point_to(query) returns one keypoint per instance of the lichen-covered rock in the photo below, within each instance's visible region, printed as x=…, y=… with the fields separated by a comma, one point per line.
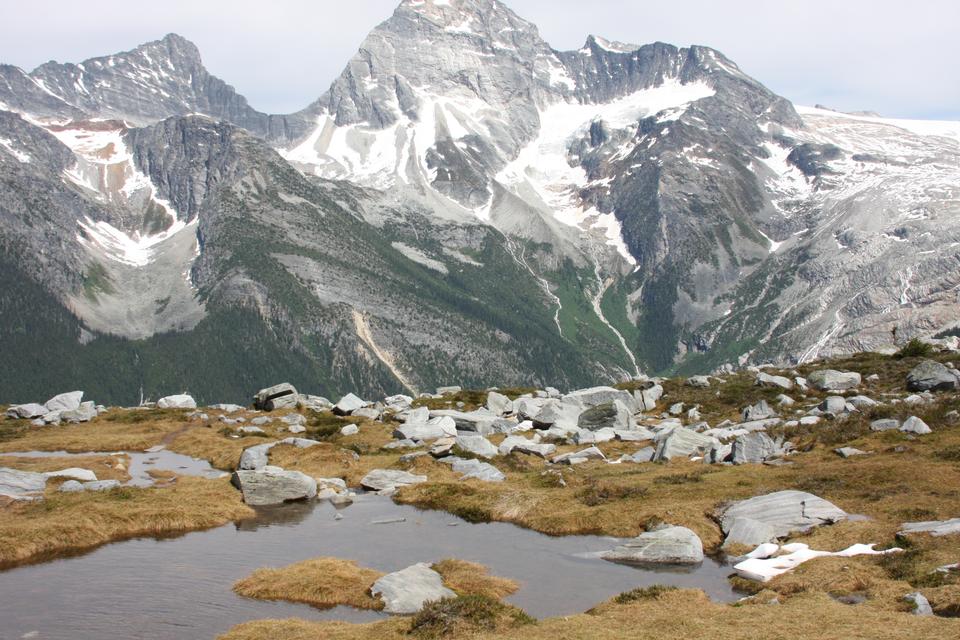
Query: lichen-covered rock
x=663, y=546
x=407, y=590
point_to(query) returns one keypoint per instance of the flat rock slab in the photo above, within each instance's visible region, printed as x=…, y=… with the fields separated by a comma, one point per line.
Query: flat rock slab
x=477, y=445
x=407, y=590
x=475, y=469
x=272, y=485
x=65, y=401
x=785, y=512
x=389, y=479
x=22, y=485
x=27, y=411
x=681, y=443
x=665, y=546
x=933, y=527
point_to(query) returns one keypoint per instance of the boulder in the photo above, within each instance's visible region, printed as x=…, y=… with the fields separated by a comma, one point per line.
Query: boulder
x=181, y=401
x=849, y=452
x=71, y=486
x=601, y=395
x=698, y=382
x=299, y=443
x=86, y=412
x=370, y=413
x=389, y=480
x=433, y=429
x=468, y=468
x=477, y=445
x=399, y=402
x=449, y=391
x=417, y=416
x=479, y=421
x=756, y=447
x=862, y=402
x=348, y=404
x=750, y=532
x=831, y=380
x=664, y=546
x=921, y=606
x=785, y=511
x=608, y=415
x=280, y=396
x=21, y=485
x=767, y=380
x=681, y=442
x=835, y=405
x=498, y=404
x=407, y=590
x=349, y=430
x=758, y=411
x=585, y=436
x=885, y=424
x=522, y=445
x=27, y=411
x=930, y=375
x=65, y=401
x=252, y=430
x=101, y=485
x=913, y=424
x=255, y=457
x=313, y=403
x=590, y=453
x=648, y=397
x=73, y=473
x=273, y=485
x=293, y=420
x=556, y=412
x=933, y=527
x=226, y=408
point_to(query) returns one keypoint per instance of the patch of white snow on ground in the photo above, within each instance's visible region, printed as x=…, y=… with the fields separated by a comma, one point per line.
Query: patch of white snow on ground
x=940, y=128
x=761, y=564
x=418, y=256
x=18, y=154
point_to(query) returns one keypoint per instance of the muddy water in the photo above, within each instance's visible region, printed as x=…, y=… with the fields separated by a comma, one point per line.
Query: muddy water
x=179, y=588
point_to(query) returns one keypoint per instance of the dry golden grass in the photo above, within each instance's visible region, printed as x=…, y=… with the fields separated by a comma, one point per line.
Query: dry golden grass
x=106, y=467
x=321, y=582
x=671, y=615
x=470, y=578
x=119, y=430
x=68, y=522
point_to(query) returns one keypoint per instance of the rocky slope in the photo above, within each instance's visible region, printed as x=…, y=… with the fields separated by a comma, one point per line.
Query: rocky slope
x=495, y=210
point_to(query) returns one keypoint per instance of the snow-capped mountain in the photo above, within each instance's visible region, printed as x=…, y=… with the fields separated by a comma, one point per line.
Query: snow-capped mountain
x=464, y=203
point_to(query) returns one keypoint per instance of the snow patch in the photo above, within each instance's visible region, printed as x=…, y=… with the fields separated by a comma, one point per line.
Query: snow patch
x=16, y=153
x=762, y=565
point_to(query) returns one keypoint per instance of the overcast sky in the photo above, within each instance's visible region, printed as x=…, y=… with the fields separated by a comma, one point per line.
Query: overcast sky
x=897, y=58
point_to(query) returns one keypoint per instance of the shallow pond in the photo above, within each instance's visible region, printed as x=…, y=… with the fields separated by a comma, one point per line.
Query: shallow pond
x=181, y=587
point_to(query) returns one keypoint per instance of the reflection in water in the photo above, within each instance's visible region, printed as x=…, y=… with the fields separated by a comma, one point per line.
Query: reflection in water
x=181, y=588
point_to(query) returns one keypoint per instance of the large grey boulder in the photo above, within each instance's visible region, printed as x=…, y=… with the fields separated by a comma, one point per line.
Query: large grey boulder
x=885, y=424
x=564, y=414
x=666, y=545
x=469, y=468
x=932, y=376
x=407, y=590
x=65, y=401
x=479, y=421
x=22, y=485
x=767, y=380
x=577, y=457
x=609, y=415
x=86, y=412
x=933, y=527
x=433, y=429
x=27, y=411
x=786, y=512
x=648, y=397
x=913, y=424
x=255, y=457
x=681, y=442
x=834, y=405
x=523, y=445
x=498, y=404
x=477, y=445
x=279, y=396
x=389, y=480
x=921, y=606
x=832, y=380
x=273, y=485
x=180, y=401
x=348, y=404
x=749, y=532
x=601, y=395
x=698, y=382
x=758, y=411
x=756, y=447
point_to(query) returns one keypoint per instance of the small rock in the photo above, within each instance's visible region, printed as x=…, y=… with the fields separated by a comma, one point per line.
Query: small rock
x=921, y=606
x=915, y=425
x=406, y=591
x=182, y=401
x=349, y=430
x=389, y=479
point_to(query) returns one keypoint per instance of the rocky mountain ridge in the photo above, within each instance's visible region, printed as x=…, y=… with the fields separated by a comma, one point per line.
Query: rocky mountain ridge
x=492, y=208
